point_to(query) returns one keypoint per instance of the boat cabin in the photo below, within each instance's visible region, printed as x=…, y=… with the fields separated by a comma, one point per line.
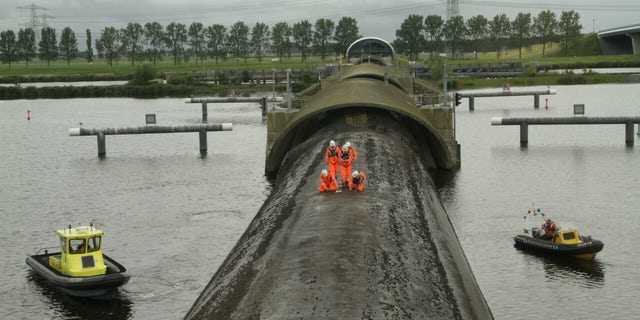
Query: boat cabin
x=567, y=236
x=80, y=252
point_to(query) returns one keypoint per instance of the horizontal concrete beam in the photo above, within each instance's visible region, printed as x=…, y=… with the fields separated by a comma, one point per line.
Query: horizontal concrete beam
x=232, y=99
x=151, y=129
x=525, y=122
x=497, y=121
x=508, y=93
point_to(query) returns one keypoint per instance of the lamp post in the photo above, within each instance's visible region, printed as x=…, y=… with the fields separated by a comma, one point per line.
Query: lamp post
x=445, y=79
x=273, y=88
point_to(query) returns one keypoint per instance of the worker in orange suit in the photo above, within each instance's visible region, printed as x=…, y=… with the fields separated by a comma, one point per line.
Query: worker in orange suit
x=352, y=152
x=327, y=182
x=332, y=158
x=357, y=181
x=346, y=161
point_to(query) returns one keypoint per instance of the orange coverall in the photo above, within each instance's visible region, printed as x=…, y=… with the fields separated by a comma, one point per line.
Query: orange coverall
x=328, y=183
x=353, y=154
x=358, y=182
x=332, y=158
x=346, y=161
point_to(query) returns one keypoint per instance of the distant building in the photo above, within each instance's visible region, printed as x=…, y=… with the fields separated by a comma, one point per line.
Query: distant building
x=370, y=50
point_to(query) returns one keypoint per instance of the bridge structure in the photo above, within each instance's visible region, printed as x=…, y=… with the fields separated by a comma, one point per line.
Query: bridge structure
x=620, y=40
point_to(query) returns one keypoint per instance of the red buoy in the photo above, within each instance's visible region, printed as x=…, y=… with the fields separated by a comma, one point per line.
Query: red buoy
x=546, y=103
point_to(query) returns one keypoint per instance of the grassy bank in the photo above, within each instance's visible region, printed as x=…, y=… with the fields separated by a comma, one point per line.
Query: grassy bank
x=544, y=80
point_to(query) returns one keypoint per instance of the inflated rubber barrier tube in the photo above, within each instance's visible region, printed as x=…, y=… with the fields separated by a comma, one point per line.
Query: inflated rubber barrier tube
x=389, y=252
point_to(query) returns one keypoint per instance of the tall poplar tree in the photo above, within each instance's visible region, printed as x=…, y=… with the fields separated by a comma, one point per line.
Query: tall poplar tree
x=323, y=36
x=346, y=33
x=216, y=35
x=544, y=27
x=302, y=37
x=281, y=39
x=68, y=45
x=48, y=45
x=259, y=39
x=8, y=47
x=89, y=47
x=154, y=39
x=196, y=35
x=569, y=29
x=27, y=45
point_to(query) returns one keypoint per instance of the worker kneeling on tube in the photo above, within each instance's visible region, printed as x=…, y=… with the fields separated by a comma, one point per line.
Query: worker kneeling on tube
x=357, y=181
x=327, y=182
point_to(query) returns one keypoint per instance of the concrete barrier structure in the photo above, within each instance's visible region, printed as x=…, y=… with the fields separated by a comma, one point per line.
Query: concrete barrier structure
x=365, y=86
x=202, y=129
x=525, y=122
x=389, y=252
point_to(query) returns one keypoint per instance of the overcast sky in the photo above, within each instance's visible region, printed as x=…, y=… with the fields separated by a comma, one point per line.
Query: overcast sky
x=375, y=17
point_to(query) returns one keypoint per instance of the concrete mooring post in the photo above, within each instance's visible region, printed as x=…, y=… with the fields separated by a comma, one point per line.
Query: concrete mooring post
x=524, y=133
x=536, y=101
x=628, y=135
x=102, y=146
x=204, y=112
x=471, y=103
x=203, y=141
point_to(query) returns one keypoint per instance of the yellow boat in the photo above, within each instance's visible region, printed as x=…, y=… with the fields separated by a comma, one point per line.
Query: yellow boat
x=78, y=266
x=564, y=242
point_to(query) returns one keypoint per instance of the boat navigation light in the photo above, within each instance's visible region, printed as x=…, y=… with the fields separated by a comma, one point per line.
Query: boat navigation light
x=91, y=224
x=69, y=227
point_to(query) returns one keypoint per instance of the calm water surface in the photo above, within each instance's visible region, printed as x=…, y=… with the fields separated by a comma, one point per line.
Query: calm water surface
x=171, y=216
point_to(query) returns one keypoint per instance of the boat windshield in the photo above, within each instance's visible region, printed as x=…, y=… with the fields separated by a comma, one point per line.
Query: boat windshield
x=569, y=236
x=63, y=244
x=94, y=243
x=77, y=246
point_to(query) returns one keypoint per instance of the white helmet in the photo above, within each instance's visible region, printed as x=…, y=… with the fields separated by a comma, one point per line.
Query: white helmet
x=332, y=143
x=345, y=148
x=348, y=144
x=355, y=174
x=324, y=172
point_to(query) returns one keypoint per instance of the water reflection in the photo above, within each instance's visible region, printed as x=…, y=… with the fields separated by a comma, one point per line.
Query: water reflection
x=116, y=306
x=586, y=273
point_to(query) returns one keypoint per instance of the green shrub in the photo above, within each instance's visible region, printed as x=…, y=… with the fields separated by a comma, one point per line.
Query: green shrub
x=142, y=75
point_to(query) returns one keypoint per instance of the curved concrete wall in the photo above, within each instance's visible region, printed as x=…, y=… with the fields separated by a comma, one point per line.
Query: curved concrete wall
x=362, y=87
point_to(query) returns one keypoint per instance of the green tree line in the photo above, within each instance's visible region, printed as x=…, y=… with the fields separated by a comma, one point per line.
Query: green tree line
x=152, y=42
x=433, y=34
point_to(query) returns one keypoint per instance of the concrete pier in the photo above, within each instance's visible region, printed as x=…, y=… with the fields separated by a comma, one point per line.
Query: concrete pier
x=262, y=100
x=508, y=93
x=102, y=133
x=525, y=122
